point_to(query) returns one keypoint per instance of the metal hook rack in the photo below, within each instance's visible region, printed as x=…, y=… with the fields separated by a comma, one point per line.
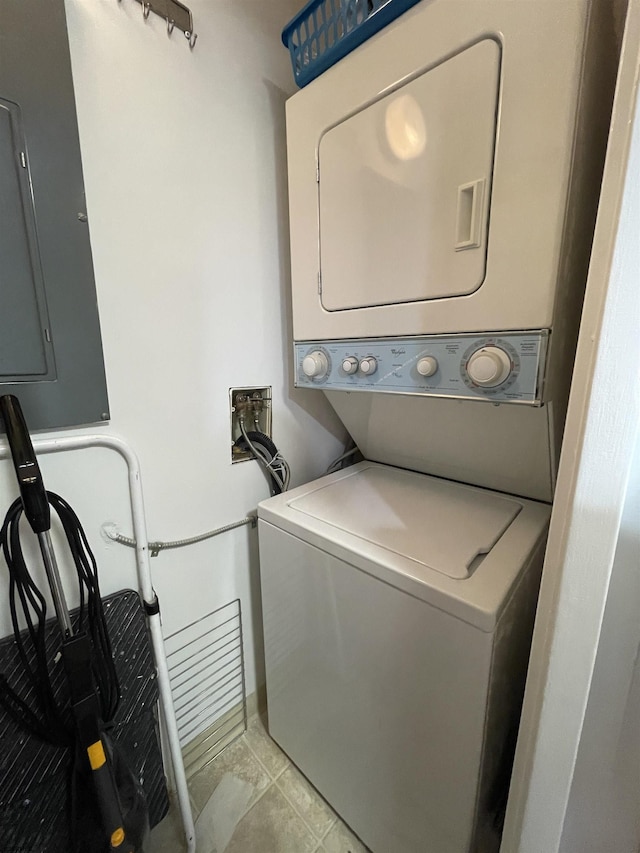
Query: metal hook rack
x=175, y=14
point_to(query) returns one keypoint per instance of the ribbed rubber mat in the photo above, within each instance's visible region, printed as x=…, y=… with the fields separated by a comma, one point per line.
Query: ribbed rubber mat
x=34, y=776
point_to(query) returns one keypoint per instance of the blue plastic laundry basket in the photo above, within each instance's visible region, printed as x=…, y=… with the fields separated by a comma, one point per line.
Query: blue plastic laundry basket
x=326, y=30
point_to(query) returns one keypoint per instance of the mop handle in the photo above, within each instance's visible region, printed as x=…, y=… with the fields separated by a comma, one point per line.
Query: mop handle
x=32, y=490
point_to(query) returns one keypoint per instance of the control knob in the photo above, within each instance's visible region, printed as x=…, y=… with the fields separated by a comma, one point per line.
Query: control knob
x=315, y=365
x=427, y=366
x=350, y=364
x=368, y=365
x=489, y=366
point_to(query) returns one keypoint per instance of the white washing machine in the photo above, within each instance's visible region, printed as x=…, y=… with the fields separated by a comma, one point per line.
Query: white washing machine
x=398, y=610
x=443, y=186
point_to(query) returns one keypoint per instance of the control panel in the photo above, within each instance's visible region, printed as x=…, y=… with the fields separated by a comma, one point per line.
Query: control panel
x=504, y=367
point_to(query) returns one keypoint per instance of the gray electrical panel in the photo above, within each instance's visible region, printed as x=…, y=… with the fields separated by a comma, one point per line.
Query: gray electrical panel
x=50, y=343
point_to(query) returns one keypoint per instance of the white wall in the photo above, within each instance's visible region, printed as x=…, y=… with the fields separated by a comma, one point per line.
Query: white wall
x=185, y=174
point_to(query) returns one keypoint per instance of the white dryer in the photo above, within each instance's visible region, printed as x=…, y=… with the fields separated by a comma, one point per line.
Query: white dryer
x=443, y=184
x=397, y=612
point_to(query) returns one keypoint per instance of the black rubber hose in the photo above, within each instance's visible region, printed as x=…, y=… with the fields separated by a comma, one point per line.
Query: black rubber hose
x=259, y=438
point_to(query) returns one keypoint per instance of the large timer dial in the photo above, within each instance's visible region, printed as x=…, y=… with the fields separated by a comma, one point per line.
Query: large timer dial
x=316, y=365
x=490, y=366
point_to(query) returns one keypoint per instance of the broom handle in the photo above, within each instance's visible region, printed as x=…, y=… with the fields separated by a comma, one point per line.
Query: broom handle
x=34, y=500
x=55, y=584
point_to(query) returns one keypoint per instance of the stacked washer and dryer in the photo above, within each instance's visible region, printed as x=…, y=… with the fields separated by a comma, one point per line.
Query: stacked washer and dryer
x=443, y=183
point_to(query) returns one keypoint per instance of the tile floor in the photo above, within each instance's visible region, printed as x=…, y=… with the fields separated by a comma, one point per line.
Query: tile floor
x=279, y=810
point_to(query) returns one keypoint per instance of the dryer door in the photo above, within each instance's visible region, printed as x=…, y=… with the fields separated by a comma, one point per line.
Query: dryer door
x=404, y=188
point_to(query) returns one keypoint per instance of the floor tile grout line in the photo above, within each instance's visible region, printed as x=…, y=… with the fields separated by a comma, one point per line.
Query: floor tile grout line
x=261, y=794
x=273, y=784
x=315, y=835
x=335, y=822
x=275, y=745
x=271, y=777
x=263, y=765
x=336, y=818
x=273, y=781
x=258, y=798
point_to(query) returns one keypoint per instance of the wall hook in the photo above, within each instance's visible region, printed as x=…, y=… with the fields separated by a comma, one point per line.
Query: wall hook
x=174, y=13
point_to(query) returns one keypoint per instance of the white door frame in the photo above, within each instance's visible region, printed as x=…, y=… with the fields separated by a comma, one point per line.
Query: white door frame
x=602, y=424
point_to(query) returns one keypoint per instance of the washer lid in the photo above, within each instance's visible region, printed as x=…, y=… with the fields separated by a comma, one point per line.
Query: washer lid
x=445, y=526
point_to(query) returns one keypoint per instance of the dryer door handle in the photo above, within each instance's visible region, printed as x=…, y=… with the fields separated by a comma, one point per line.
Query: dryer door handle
x=470, y=215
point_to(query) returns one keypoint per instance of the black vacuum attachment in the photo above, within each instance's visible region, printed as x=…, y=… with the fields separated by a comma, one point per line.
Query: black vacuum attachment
x=108, y=811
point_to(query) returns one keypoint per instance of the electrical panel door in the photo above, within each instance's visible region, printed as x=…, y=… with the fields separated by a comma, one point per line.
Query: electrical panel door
x=50, y=343
x=25, y=351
